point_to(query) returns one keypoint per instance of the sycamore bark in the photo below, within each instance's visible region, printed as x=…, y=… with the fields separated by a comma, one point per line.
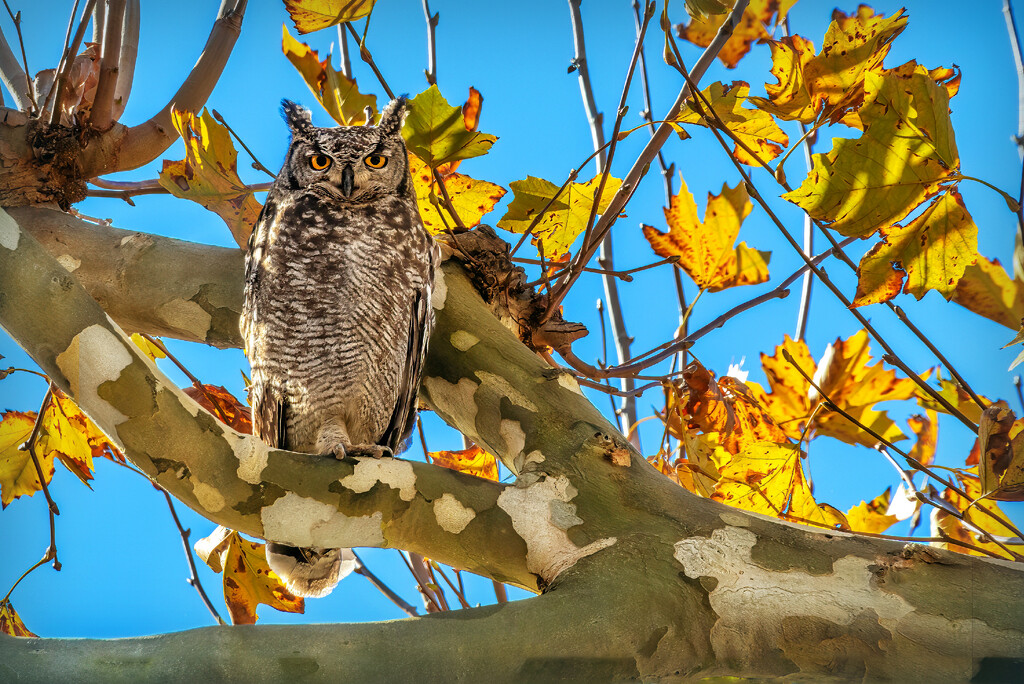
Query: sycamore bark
x=638, y=578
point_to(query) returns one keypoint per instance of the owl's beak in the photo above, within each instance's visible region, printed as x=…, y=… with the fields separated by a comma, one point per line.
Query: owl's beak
x=348, y=180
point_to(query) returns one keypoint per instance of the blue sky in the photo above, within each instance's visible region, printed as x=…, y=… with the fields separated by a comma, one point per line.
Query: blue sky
x=123, y=567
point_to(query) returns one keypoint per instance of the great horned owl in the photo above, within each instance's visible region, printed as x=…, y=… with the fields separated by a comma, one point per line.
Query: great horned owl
x=337, y=306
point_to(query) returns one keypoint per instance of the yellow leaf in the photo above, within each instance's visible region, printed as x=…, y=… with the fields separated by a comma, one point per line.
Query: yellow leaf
x=705, y=250
x=313, y=15
x=751, y=26
x=1001, y=467
x=472, y=461
x=64, y=433
x=564, y=219
x=10, y=621
x=987, y=290
x=955, y=528
x=698, y=471
x=338, y=94
x=472, y=198
x=755, y=128
x=209, y=173
x=833, y=81
x=18, y=474
x=906, y=152
x=436, y=132
x=948, y=78
x=148, y=348
x=870, y=516
x=926, y=428
x=957, y=397
x=930, y=253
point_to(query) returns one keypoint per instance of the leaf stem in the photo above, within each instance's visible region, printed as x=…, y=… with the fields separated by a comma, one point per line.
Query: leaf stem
x=193, y=579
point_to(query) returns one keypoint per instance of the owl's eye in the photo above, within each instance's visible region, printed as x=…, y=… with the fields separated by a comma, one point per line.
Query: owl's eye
x=319, y=161
x=376, y=161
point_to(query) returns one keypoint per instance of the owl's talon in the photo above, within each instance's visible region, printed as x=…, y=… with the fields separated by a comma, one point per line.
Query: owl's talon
x=374, y=450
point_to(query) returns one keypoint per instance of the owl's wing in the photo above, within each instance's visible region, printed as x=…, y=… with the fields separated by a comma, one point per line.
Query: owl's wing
x=404, y=417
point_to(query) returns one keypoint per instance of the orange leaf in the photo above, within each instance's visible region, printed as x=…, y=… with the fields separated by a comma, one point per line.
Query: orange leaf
x=18, y=474
x=705, y=250
x=927, y=430
x=224, y=406
x=751, y=27
x=10, y=621
x=472, y=461
x=871, y=516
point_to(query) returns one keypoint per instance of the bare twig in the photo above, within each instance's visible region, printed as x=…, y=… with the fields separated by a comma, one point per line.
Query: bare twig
x=666, y=169
x=500, y=592
x=256, y=164
x=345, y=65
x=193, y=578
x=101, y=117
x=60, y=82
x=15, y=76
x=383, y=588
x=125, y=190
x=364, y=54
x=433, y=599
x=193, y=379
x=129, y=54
x=803, y=313
x=458, y=591
x=431, y=70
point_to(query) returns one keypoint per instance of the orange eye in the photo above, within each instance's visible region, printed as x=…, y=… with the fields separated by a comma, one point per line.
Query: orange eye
x=319, y=161
x=376, y=161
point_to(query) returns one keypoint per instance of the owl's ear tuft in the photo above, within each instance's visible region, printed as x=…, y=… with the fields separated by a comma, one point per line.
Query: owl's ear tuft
x=298, y=118
x=393, y=116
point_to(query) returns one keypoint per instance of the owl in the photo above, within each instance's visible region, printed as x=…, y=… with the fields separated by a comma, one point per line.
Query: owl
x=337, y=310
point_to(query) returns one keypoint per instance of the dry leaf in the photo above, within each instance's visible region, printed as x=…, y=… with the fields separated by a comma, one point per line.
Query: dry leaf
x=472, y=461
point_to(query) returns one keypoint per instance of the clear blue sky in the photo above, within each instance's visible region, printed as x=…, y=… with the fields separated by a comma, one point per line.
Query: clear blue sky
x=124, y=571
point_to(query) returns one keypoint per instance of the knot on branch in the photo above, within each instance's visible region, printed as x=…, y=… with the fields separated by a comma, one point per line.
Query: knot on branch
x=503, y=286
x=39, y=163
x=57, y=150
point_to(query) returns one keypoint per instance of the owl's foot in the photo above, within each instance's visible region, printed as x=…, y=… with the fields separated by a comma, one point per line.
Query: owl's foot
x=374, y=450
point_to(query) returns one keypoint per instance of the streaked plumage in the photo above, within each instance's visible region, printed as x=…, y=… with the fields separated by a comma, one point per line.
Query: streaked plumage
x=337, y=306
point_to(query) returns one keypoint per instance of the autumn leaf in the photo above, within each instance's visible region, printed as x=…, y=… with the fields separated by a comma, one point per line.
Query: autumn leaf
x=565, y=218
x=1001, y=454
x=926, y=429
x=972, y=509
x=706, y=250
x=223, y=405
x=209, y=173
x=18, y=474
x=956, y=396
x=872, y=516
x=248, y=579
x=698, y=471
x=148, y=348
x=905, y=154
x=472, y=461
x=64, y=433
x=845, y=376
x=757, y=129
x=10, y=621
x=436, y=132
x=338, y=94
x=948, y=78
x=930, y=253
x=709, y=15
x=313, y=15
x=833, y=81
x=989, y=291
x=471, y=198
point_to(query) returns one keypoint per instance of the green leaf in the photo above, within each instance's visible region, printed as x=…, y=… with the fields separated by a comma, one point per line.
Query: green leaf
x=436, y=132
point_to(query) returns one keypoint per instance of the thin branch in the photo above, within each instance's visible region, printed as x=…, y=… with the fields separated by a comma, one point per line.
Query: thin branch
x=60, y=83
x=45, y=103
x=345, y=67
x=804, y=311
x=14, y=74
x=364, y=54
x=127, y=57
x=193, y=579
x=125, y=190
x=361, y=569
x=500, y=593
x=431, y=71
x=256, y=164
x=666, y=169
x=101, y=117
x=458, y=592
x=193, y=379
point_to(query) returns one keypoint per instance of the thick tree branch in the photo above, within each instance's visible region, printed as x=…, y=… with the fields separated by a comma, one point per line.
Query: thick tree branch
x=102, y=114
x=13, y=75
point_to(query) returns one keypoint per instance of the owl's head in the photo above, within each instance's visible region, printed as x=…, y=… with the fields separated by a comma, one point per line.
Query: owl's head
x=347, y=164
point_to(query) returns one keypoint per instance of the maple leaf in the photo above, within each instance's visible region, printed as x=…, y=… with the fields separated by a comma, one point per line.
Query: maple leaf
x=64, y=433
x=956, y=396
x=948, y=78
x=1001, y=454
x=726, y=406
x=751, y=27
x=698, y=471
x=10, y=621
x=768, y=478
x=436, y=132
x=872, y=516
x=338, y=94
x=757, y=129
x=148, y=348
x=223, y=405
x=248, y=579
x=313, y=15
x=472, y=461
x=209, y=173
x=471, y=198
x=18, y=474
x=987, y=290
x=971, y=508
x=846, y=378
x=907, y=151
x=930, y=253
x=565, y=218
x=705, y=250
x=833, y=81
x=926, y=429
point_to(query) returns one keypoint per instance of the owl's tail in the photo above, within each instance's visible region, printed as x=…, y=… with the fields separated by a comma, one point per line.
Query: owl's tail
x=310, y=572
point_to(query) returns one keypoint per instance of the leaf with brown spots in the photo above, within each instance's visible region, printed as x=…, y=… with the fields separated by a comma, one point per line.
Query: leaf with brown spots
x=757, y=129
x=957, y=398
x=845, y=376
x=18, y=476
x=872, y=516
x=706, y=250
x=472, y=461
x=954, y=527
x=248, y=579
x=471, y=198
x=751, y=27
x=209, y=173
x=313, y=15
x=10, y=621
x=436, y=132
x=338, y=94
x=223, y=405
x=1001, y=453
x=697, y=469
x=989, y=291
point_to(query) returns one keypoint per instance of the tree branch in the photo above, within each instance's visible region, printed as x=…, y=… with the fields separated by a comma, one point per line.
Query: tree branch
x=101, y=117
x=13, y=75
